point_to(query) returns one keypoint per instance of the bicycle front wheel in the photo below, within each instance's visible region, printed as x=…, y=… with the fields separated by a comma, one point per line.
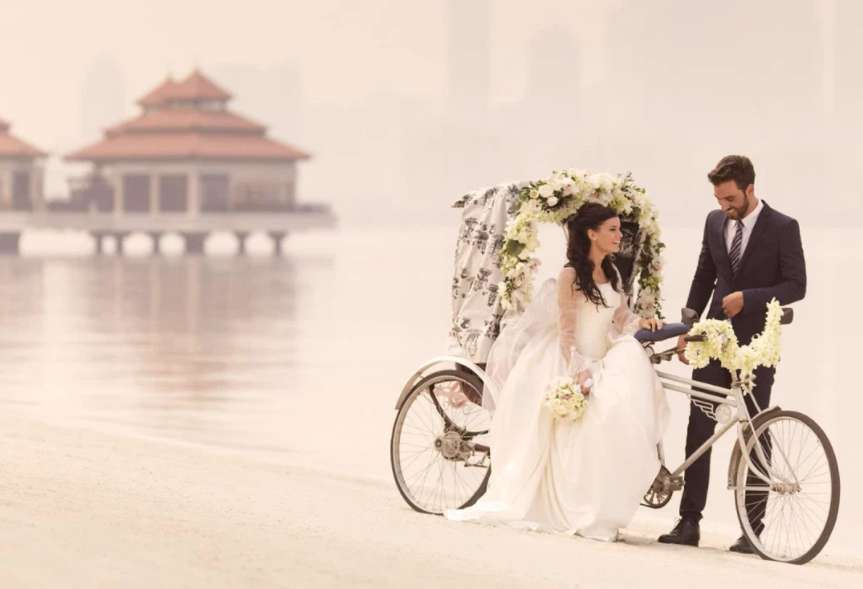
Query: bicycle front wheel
x=788, y=514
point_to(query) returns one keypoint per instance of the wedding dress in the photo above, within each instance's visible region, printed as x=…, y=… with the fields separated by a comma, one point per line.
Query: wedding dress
x=585, y=477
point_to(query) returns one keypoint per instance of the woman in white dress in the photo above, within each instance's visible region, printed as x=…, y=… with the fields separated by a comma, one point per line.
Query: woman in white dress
x=585, y=477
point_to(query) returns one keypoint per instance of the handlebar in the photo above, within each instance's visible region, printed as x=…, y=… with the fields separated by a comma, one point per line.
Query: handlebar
x=690, y=317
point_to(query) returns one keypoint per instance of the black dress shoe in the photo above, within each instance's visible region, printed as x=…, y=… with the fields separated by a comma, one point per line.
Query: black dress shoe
x=742, y=546
x=686, y=532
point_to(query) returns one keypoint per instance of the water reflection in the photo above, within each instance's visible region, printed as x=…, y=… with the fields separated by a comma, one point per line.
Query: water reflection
x=165, y=344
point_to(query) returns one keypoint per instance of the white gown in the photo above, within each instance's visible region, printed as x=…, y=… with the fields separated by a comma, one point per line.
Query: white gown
x=585, y=477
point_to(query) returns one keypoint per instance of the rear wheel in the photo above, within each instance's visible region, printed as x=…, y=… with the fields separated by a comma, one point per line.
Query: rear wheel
x=439, y=446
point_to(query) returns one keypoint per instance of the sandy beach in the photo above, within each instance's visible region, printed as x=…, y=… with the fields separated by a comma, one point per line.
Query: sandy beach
x=85, y=508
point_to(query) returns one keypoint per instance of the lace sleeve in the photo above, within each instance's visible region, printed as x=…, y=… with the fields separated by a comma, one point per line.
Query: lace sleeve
x=567, y=307
x=625, y=322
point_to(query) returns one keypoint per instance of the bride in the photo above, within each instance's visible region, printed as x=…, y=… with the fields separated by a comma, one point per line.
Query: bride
x=585, y=477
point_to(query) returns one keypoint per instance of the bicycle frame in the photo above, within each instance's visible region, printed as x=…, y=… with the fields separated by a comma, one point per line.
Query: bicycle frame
x=708, y=398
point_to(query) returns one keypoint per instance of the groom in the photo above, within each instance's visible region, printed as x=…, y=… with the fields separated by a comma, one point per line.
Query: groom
x=750, y=253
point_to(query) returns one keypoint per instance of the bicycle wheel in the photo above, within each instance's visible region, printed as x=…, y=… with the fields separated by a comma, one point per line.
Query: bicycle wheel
x=439, y=446
x=790, y=518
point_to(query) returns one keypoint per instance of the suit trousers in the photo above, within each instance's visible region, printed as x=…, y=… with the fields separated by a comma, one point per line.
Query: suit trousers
x=701, y=427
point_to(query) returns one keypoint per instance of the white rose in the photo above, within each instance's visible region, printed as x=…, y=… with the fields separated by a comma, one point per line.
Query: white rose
x=552, y=201
x=545, y=191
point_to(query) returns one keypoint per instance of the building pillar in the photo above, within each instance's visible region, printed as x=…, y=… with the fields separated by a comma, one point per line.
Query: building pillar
x=292, y=186
x=156, y=236
x=155, y=193
x=98, y=242
x=241, y=242
x=119, y=194
x=36, y=197
x=120, y=242
x=194, y=242
x=9, y=242
x=277, y=237
x=5, y=189
x=194, y=188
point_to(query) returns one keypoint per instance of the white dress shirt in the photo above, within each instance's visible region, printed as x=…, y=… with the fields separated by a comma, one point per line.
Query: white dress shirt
x=748, y=224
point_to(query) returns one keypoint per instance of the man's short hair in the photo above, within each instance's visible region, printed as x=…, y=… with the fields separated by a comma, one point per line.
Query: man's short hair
x=733, y=167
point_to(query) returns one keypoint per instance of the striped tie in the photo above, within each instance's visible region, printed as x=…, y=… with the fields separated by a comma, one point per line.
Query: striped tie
x=736, y=246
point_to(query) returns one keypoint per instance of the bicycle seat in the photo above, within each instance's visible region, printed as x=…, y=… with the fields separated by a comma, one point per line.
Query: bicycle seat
x=668, y=330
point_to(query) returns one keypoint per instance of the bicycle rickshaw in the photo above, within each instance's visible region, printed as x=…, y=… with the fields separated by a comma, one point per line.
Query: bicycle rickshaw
x=782, y=472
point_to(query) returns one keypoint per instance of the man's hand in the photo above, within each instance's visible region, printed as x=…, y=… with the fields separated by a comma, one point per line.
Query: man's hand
x=732, y=304
x=681, y=345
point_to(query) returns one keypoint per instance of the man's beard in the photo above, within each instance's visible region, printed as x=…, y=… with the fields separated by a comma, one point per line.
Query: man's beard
x=738, y=214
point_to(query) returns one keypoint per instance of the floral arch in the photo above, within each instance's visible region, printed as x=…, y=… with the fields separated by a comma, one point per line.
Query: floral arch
x=554, y=199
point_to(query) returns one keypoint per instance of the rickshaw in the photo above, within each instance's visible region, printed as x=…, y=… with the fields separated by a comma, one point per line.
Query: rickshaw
x=782, y=467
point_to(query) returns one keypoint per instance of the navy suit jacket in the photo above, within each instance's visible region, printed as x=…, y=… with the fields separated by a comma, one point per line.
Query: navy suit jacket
x=772, y=266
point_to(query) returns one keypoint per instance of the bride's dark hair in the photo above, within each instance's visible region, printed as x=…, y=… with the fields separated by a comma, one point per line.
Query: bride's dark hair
x=589, y=216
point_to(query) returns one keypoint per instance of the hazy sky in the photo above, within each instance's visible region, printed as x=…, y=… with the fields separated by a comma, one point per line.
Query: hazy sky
x=407, y=103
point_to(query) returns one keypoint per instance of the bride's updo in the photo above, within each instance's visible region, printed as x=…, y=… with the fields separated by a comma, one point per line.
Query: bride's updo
x=589, y=216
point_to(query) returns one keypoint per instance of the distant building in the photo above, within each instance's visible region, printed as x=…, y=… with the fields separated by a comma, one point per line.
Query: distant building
x=186, y=165
x=21, y=173
x=187, y=152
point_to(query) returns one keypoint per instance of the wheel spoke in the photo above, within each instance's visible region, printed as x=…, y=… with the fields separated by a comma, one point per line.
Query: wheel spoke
x=797, y=510
x=428, y=480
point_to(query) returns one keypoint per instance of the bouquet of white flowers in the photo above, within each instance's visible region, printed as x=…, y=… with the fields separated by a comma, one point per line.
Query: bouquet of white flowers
x=565, y=399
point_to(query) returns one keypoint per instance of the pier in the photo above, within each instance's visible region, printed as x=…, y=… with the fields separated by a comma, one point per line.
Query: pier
x=194, y=231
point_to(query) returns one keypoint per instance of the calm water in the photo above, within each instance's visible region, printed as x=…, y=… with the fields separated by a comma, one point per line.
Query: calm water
x=301, y=358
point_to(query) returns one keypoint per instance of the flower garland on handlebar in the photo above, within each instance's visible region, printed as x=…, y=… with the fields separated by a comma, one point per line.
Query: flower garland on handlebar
x=720, y=343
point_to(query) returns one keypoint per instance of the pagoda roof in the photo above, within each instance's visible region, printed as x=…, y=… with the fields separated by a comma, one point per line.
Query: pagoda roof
x=187, y=145
x=186, y=119
x=11, y=146
x=157, y=95
x=179, y=121
x=196, y=86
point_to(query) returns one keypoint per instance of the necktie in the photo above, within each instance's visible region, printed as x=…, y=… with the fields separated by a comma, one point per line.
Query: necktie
x=734, y=254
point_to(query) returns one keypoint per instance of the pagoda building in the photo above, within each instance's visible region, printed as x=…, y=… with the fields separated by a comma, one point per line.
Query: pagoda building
x=190, y=165
x=187, y=152
x=21, y=173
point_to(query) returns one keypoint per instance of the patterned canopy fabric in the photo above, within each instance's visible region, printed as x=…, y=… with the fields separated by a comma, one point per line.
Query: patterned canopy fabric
x=477, y=313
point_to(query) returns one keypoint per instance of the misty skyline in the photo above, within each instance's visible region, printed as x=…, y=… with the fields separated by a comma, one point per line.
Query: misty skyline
x=406, y=105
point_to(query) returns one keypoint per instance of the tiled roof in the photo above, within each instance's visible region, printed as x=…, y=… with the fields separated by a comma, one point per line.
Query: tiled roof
x=11, y=146
x=192, y=145
x=180, y=122
x=157, y=95
x=196, y=86
x=186, y=119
